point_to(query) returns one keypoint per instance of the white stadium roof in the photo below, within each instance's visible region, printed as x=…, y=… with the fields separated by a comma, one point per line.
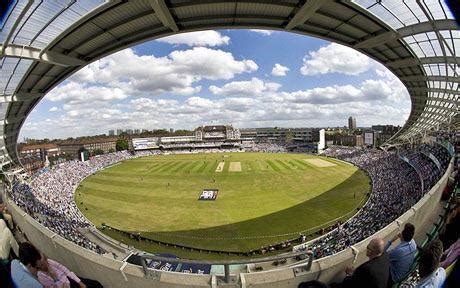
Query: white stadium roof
x=44, y=42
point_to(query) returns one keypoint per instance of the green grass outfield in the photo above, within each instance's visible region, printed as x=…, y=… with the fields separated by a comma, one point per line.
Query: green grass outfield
x=273, y=198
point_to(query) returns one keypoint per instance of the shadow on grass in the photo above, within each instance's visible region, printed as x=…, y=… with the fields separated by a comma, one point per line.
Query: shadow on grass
x=282, y=225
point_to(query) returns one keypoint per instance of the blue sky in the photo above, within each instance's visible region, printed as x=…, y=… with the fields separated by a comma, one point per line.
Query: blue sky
x=250, y=78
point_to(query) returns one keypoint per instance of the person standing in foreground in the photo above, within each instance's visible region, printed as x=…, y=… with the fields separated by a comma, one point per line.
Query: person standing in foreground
x=402, y=256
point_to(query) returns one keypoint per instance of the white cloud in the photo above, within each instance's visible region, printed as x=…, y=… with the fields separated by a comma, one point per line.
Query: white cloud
x=399, y=92
x=263, y=32
x=73, y=92
x=200, y=38
x=325, y=95
x=335, y=58
x=210, y=64
x=53, y=109
x=254, y=87
x=369, y=90
x=279, y=70
x=126, y=74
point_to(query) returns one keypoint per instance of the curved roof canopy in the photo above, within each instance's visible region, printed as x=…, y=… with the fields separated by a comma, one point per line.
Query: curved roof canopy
x=44, y=42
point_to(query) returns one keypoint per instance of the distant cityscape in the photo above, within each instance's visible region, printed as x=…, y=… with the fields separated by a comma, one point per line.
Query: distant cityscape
x=34, y=152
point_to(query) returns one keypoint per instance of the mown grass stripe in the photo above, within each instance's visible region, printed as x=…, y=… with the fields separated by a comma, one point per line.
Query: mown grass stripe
x=295, y=166
x=186, y=168
x=212, y=168
x=226, y=166
x=302, y=163
x=161, y=166
x=180, y=167
x=274, y=167
x=170, y=167
x=283, y=164
x=203, y=167
x=195, y=166
x=153, y=167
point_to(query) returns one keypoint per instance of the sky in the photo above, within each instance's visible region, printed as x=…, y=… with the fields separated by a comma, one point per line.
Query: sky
x=247, y=78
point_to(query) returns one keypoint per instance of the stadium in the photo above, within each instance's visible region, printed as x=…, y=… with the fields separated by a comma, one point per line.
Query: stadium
x=283, y=234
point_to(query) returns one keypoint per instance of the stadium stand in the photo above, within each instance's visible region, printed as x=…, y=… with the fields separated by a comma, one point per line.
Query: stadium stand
x=49, y=198
x=396, y=188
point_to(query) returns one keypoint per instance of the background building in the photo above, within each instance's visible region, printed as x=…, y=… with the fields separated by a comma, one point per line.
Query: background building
x=72, y=147
x=33, y=156
x=280, y=135
x=351, y=123
x=384, y=132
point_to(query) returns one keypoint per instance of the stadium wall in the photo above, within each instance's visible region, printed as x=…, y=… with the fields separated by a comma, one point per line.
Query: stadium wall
x=116, y=273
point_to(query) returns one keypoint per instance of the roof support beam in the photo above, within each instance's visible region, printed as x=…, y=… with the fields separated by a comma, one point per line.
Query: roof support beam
x=15, y=25
x=304, y=13
x=437, y=90
x=24, y=96
x=25, y=52
x=376, y=40
x=442, y=100
x=162, y=12
x=441, y=108
x=10, y=134
x=423, y=78
x=382, y=38
x=5, y=98
x=438, y=60
x=13, y=120
x=442, y=24
x=428, y=115
x=409, y=62
x=406, y=62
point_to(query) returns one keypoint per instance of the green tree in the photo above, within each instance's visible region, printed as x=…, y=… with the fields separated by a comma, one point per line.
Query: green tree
x=111, y=150
x=98, y=152
x=121, y=144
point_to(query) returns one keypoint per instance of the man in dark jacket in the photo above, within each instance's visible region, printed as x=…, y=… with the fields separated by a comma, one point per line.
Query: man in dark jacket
x=373, y=273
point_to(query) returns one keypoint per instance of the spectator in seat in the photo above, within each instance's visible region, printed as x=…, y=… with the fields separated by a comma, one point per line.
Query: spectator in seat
x=24, y=271
x=53, y=274
x=451, y=254
x=431, y=275
x=401, y=256
x=373, y=273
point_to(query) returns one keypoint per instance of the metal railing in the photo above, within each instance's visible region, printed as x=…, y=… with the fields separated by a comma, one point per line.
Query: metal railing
x=150, y=272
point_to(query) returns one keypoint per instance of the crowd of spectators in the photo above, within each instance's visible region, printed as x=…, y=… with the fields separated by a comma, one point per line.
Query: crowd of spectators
x=199, y=145
x=267, y=148
x=49, y=197
x=427, y=169
x=396, y=187
x=438, y=152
